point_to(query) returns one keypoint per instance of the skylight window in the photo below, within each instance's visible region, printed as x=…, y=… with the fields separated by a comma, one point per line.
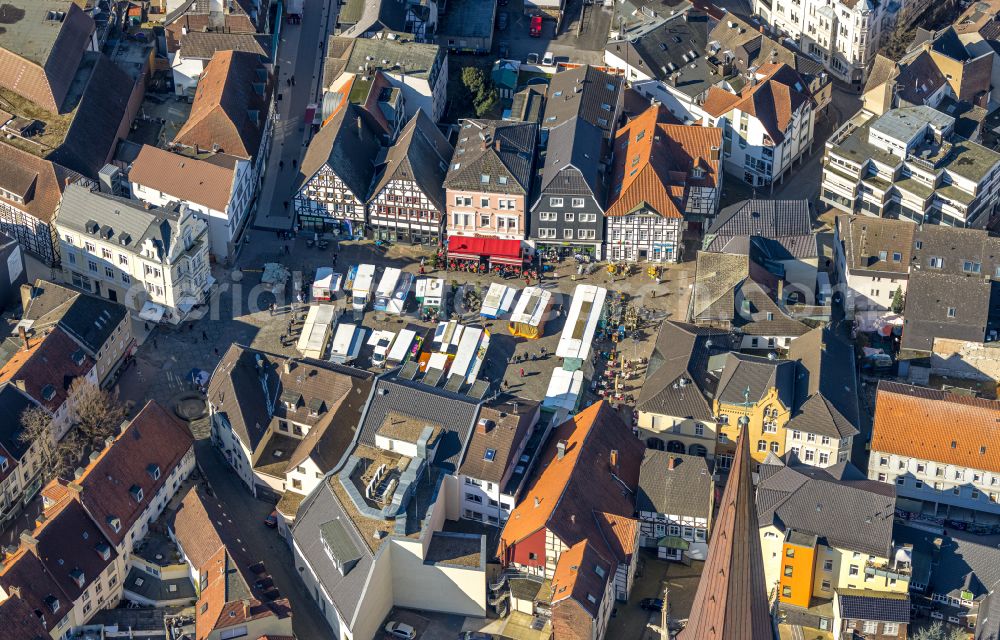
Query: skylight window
x=490, y=455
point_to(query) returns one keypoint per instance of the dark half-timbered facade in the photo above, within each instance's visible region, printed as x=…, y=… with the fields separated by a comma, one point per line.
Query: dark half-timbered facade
x=568, y=215
x=408, y=199
x=30, y=191
x=337, y=172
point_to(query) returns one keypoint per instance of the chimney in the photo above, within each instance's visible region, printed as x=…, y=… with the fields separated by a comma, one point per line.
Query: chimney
x=78, y=473
x=483, y=426
x=246, y=609
x=289, y=365
x=537, y=502
x=781, y=291
x=560, y=449
x=28, y=293
x=714, y=154
x=761, y=27
x=21, y=331
x=19, y=383
x=572, y=518
x=614, y=460
x=671, y=463
x=359, y=125
x=28, y=541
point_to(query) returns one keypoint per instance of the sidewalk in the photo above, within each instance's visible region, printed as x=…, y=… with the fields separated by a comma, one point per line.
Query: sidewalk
x=300, y=56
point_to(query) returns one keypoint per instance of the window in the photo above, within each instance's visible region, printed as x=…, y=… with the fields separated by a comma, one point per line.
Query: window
x=555, y=202
x=473, y=497
x=897, y=256
x=484, y=179
x=484, y=220
x=490, y=455
x=91, y=248
x=810, y=437
x=936, y=262
x=296, y=483
x=788, y=570
x=762, y=445
x=972, y=267
x=824, y=458
x=569, y=216
x=578, y=203
x=567, y=234
x=122, y=260
x=853, y=570
x=92, y=265
x=774, y=447
x=796, y=435
x=890, y=628
x=870, y=626
x=825, y=440
x=484, y=202
x=126, y=278
x=828, y=565
x=532, y=555
x=109, y=272
x=786, y=592
x=951, y=312
x=699, y=429
x=789, y=552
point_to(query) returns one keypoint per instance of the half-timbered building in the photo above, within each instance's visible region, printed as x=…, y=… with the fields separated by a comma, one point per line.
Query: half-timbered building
x=337, y=172
x=408, y=200
x=665, y=175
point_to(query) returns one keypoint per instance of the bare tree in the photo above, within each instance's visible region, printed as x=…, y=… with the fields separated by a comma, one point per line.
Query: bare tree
x=938, y=631
x=97, y=413
x=55, y=457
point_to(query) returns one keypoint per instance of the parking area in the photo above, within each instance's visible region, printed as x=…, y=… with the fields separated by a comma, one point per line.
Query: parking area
x=580, y=38
x=632, y=621
x=428, y=625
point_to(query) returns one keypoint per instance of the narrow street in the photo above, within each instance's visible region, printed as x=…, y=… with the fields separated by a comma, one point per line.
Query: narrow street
x=300, y=56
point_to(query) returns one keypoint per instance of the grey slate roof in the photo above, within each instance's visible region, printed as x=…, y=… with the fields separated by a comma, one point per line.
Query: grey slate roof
x=316, y=511
x=583, y=92
x=497, y=149
x=682, y=351
x=90, y=320
x=828, y=399
x=867, y=239
x=768, y=218
x=572, y=160
x=80, y=205
x=957, y=563
x=757, y=374
x=845, y=510
x=455, y=412
x=662, y=45
x=204, y=44
x=685, y=490
x=349, y=144
x=870, y=605
x=930, y=296
x=420, y=154
x=13, y=403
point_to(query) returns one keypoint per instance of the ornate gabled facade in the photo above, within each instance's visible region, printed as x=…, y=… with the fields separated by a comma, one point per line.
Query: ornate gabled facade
x=731, y=602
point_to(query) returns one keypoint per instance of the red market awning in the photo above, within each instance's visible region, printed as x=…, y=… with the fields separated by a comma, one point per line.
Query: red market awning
x=471, y=248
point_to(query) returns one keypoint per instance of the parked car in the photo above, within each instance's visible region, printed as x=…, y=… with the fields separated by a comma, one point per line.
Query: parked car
x=271, y=521
x=502, y=19
x=535, y=30
x=532, y=58
x=263, y=584
x=548, y=59
x=400, y=630
x=476, y=635
x=652, y=604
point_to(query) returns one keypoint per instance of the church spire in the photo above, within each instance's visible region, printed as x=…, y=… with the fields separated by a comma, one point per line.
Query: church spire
x=731, y=601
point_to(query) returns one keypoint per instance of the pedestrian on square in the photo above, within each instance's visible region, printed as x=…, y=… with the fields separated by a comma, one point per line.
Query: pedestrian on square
x=522, y=372
x=421, y=269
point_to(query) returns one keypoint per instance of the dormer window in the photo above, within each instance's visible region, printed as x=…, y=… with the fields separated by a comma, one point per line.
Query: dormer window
x=53, y=603
x=103, y=550
x=76, y=575
x=115, y=524
x=136, y=493
x=3, y=463
x=48, y=392
x=154, y=471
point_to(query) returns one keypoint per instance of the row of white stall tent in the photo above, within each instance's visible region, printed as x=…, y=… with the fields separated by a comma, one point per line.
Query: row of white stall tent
x=562, y=397
x=464, y=346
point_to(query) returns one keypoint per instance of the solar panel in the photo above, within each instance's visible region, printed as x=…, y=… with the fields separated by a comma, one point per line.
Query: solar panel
x=454, y=383
x=409, y=370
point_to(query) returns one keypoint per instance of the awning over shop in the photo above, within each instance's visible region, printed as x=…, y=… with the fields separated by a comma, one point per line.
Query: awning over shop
x=499, y=251
x=152, y=312
x=673, y=542
x=906, y=504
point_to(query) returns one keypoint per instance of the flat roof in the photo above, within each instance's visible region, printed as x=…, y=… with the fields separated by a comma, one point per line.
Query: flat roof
x=581, y=321
x=531, y=306
x=906, y=122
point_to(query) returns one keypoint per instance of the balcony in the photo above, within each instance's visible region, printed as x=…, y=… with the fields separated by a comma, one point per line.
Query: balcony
x=898, y=570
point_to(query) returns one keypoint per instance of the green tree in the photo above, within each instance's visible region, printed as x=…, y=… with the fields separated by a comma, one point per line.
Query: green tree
x=938, y=631
x=482, y=93
x=897, y=301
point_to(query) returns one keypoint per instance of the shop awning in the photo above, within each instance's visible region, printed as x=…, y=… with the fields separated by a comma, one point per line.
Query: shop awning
x=906, y=504
x=673, y=542
x=152, y=312
x=499, y=251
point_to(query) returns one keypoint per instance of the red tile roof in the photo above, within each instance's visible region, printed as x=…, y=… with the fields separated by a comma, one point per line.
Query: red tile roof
x=233, y=86
x=773, y=99
x=70, y=542
x=20, y=622
x=581, y=497
x=25, y=573
x=654, y=159
x=915, y=422
x=55, y=361
x=153, y=444
x=194, y=180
